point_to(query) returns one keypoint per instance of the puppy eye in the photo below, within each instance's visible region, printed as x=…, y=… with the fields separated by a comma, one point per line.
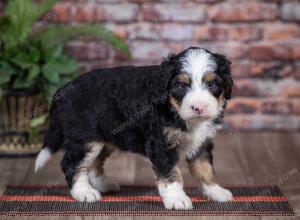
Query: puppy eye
x=212, y=84
x=181, y=84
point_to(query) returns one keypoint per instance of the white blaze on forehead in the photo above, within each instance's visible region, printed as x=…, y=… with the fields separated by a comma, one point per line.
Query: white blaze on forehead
x=196, y=63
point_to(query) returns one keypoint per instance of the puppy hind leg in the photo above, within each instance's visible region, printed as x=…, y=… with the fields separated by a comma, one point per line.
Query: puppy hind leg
x=97, y=177
x=76, y=165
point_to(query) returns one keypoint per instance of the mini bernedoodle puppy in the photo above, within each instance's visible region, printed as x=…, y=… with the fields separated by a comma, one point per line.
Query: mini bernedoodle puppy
x=169, y=112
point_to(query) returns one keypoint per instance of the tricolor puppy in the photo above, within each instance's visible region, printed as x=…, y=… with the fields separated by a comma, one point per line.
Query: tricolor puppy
x=169, y=112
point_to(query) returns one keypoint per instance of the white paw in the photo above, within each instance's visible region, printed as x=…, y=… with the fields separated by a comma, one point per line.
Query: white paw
x=178, y=202
x=173, y=196
x=102, y=183
x=85, y=194
x=217, y=193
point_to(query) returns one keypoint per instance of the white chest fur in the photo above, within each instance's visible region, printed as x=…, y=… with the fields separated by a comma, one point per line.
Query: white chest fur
x=190, y=141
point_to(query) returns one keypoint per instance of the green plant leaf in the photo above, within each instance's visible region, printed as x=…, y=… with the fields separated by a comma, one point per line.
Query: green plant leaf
x=23, y=60
x=38, y=121
x=4, y=24
x=22, y=83
x=23, y=14
x=49, y=90
x=33, y=72
x=49, y=36
x=4, y=77
x=53, y=53
x=65, y=66
x=6, y=73
x=49, y=73
x=33, y=133
x=34, y=54
x=1, y=94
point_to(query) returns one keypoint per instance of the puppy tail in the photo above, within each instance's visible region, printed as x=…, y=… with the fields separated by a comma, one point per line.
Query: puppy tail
x=52, y=143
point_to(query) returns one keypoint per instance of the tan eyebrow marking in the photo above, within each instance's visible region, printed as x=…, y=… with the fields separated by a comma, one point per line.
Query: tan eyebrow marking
x=209, y=77
x=184, y=78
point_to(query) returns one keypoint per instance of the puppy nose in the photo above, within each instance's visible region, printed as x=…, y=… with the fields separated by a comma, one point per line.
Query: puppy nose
x=198, y=110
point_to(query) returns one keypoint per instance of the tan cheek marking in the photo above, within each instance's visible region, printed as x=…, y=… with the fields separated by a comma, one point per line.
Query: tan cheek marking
x=184, y=78
x=202, y=170
x=221, y=99
x=174, y=103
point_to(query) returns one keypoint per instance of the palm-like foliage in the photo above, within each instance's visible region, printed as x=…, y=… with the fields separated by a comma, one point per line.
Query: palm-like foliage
x=36, y=58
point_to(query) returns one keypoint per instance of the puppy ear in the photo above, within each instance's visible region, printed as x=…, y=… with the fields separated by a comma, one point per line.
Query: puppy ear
x=224, y=71
x=172, y=60
x=159, y=86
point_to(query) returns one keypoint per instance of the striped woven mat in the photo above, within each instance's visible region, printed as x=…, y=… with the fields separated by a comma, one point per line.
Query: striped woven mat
x=137, y=200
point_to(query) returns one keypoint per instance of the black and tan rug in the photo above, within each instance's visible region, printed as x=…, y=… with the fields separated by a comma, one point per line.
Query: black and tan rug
x=56, y=200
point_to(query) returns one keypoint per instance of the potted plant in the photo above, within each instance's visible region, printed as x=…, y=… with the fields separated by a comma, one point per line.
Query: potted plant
x=33, y=65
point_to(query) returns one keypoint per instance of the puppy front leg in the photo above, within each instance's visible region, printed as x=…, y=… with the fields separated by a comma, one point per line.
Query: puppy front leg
x=171, y=191
x=168, y=177
x=164, y=160
x=201, y=167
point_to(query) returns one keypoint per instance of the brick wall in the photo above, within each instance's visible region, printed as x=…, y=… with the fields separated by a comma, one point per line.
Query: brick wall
x=260, y=37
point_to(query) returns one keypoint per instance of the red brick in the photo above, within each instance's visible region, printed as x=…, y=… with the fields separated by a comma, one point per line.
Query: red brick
x=142, y=31
x=282, y=51
x=177, y=32
x=142, y=50
x=240, y=69
x=243, y=105
x=259, y=87
x=297, y=70
x=244, y=33
x=60, y=13
x=123, y=12
x=106, y=12
x=87, y=13
x=253, y=11
x=260, y=69
x=295, y=50
x=227, y=32
x=270, y=69
x=286, y=71
x=245, y=88
x=174, y=12
x=231, y=50
x=281, y=31
x=276, y=106
x=296, y=106
x=290, y=89
x=73, y=1
x=261, y=52
x=289, y=50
